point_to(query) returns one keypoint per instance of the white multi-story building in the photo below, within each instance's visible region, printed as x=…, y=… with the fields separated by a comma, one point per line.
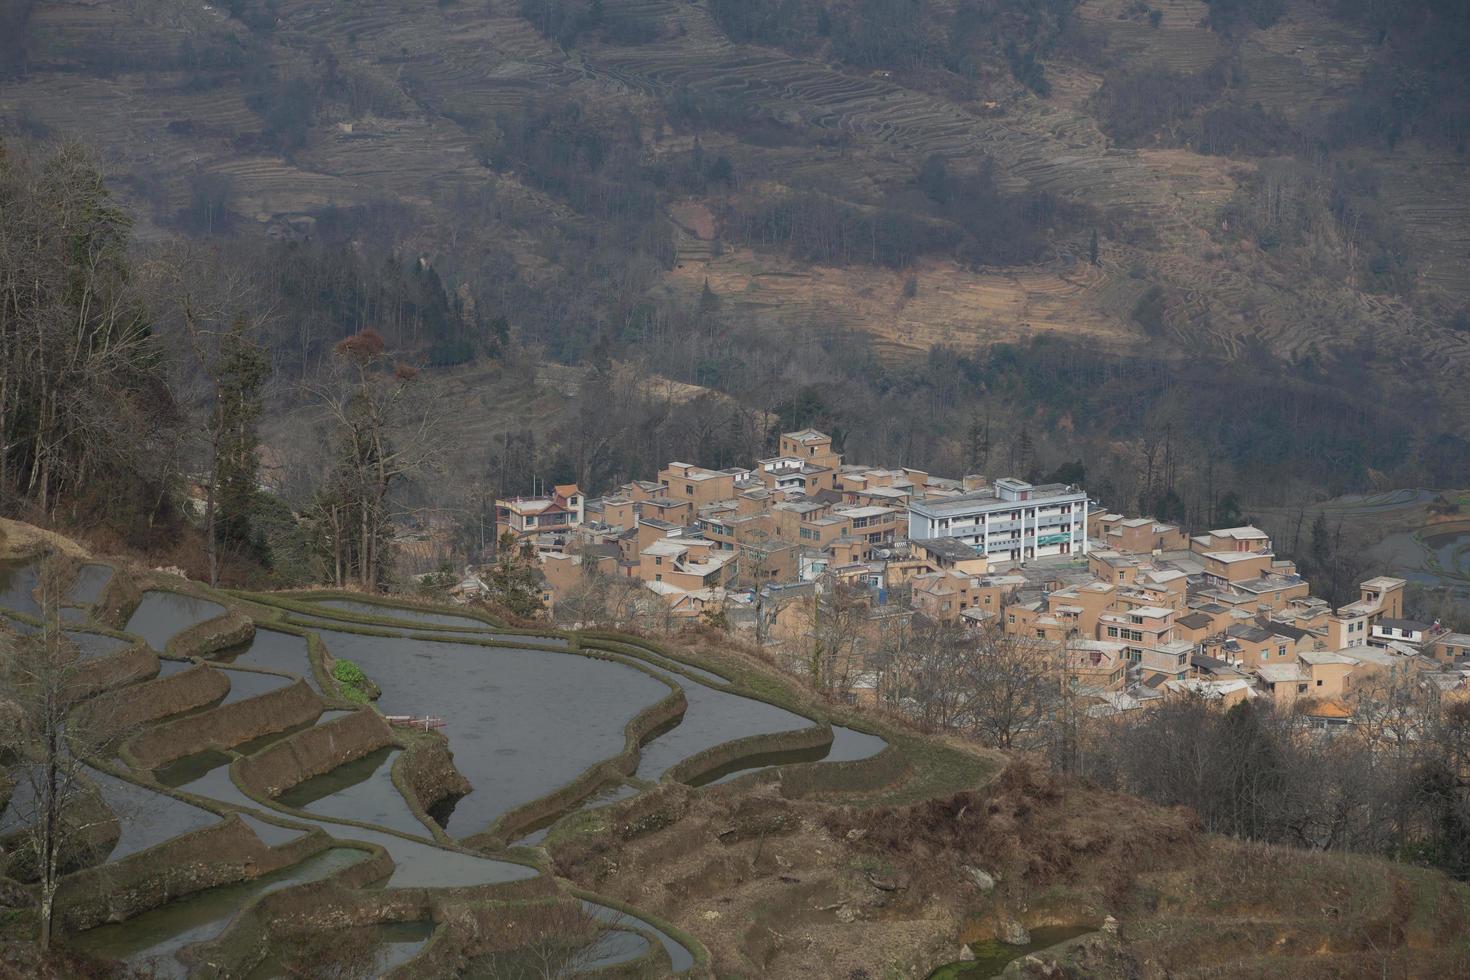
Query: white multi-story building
x=1011, y=520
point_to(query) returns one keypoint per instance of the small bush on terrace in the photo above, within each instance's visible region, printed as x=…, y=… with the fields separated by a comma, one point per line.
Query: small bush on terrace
x=351, y=681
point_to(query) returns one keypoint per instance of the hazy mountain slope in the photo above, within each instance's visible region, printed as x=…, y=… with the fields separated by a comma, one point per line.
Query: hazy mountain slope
x=290, y=108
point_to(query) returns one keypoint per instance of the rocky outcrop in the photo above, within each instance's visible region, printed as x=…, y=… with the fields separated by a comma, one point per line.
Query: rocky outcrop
x=1096, y=954
x=1008, y=929
x=428, y=773
x=982, y=880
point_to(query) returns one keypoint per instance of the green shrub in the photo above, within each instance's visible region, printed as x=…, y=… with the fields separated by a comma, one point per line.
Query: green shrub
x=354, y=694
x=347, y=672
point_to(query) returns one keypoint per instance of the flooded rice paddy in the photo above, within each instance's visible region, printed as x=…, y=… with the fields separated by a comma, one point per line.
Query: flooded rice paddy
x=161, y=615
x=423, y=617
x=613, y=948
x=152, y=940
x=682, y=958
x=1437, y=560
x=18, y=581
x=93, y=645
x=90, y=582
x=147, y=818
x=359, y=790
x=418, y=863
x=246, y=684
x=521, y=723
x=713, y=718
x=670, y=664
x=273, y=650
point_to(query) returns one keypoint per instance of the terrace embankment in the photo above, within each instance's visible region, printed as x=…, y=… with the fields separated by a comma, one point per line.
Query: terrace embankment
x=215, y=855
x=313, y=752
x=129, y=709
x=226, y=726
x=785, y=888
x=427, y=771
x=128, y=666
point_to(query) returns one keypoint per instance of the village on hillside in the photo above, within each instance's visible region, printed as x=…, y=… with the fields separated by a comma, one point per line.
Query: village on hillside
x=838, y=570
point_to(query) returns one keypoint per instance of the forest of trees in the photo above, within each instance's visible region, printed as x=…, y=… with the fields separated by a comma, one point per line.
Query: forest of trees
x=576, y=277
x=965, y=38
x=1151, y=434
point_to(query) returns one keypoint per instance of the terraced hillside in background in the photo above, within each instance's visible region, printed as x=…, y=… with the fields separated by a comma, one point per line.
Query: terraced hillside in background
x=430, y=80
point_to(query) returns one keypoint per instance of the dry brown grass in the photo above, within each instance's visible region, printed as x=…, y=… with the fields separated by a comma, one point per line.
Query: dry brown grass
x=953, y=305
x=762, y=880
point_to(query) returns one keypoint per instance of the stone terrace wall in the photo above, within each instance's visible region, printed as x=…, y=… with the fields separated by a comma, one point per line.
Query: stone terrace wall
x=132, y=707
x=313, y=752
x=226, y=726
x=215, y=855
x=425, y=772
x=128, y=666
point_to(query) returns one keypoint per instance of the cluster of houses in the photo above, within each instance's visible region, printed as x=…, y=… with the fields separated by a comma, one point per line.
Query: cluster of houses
x=1136, y=610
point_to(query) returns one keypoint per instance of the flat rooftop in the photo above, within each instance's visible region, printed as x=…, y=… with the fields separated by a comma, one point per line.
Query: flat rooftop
x=981, y=499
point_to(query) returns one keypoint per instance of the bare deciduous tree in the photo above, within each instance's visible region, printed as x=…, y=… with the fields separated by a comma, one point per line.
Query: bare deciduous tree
x=388, y=428
x=1012, y=684
x=53, y=806
x=82, y=402
x=549, y=940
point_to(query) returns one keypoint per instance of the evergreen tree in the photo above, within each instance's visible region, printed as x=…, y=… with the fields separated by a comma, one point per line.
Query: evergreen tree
x=977, y=442
x=514, y=581
x=1228, y=512
x=1321, y=547
x=709, y=300
x=241, y=371
x=1023, y=452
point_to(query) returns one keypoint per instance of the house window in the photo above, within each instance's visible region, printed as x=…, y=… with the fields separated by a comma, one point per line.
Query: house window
x=1041, y=634
x=1301, y=689
x=689, y=489
x=658, y=578
x=657, y=560
x=1319, y=683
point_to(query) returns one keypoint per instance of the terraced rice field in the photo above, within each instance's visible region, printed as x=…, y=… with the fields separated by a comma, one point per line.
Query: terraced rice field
x=162, y=614
x=499, y=742
x=151, y=940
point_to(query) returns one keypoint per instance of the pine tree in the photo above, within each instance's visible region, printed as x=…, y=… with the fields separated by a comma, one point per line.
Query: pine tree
x=1023, y=452
x=1228, y=512
x=977, y=443
x=1321, y=547
x=240, y=374
x=709, y=300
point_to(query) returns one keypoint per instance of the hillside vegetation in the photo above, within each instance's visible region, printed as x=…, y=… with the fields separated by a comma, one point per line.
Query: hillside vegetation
x=1127, y=216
